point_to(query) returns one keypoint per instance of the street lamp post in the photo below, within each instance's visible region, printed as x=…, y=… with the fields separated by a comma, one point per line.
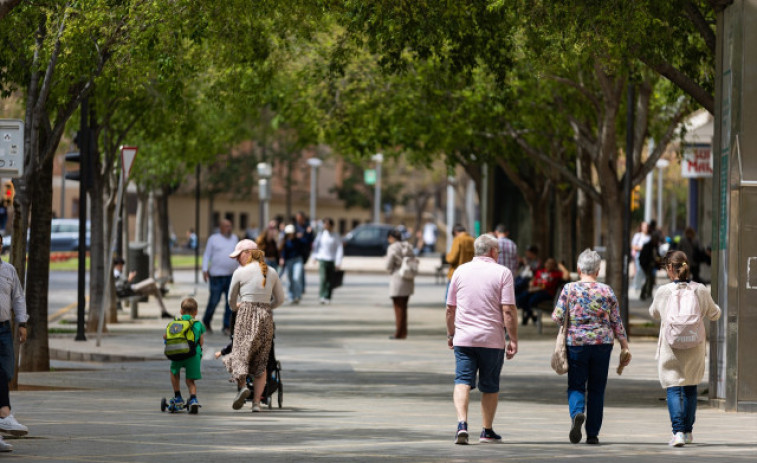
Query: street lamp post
x=314, y=164
x=264, y=191
x=378, y=158
x=661, y=164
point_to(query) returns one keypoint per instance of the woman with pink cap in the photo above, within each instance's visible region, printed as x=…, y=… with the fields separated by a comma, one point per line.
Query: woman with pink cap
x=254, y=292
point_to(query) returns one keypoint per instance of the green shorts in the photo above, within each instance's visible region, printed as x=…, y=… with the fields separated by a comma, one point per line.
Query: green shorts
x=192, y=365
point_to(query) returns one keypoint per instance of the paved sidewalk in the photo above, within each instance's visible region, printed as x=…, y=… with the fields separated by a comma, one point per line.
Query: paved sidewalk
x=351, y=394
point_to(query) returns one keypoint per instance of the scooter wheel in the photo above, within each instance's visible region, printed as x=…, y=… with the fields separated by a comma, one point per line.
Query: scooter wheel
x=163, y=404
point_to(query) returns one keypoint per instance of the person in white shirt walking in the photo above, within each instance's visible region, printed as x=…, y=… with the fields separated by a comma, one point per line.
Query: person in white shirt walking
x=217, y=268
x=328, y=251
x=12, y=302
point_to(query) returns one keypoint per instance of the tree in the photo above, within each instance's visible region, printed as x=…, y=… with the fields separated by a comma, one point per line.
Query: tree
x=6, y=6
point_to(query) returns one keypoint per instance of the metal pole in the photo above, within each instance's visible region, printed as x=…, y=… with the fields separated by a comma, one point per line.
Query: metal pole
x=649, y=191
x=313, y=191
x=485, y=198
x=659, y=199
x=377, y=194
x=450, y=210
x=627, y=206
x=197, y=224
x=82, y=267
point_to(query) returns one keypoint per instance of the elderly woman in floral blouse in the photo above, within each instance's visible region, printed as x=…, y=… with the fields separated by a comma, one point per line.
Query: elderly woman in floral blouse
x=594, y=323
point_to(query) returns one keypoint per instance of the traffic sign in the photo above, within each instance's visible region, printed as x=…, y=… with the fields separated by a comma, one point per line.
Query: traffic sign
x=369, y=175
x=11, y=148
x=128, y=153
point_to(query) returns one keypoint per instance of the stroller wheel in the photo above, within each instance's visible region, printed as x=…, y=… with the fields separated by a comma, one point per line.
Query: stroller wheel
x=281, y=395
x=163, y=404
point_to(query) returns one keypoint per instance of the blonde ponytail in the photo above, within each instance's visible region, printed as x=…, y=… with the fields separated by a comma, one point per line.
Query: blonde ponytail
x=259, y=256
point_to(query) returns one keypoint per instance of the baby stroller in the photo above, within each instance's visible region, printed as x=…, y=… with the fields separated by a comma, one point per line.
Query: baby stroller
x=273, y=382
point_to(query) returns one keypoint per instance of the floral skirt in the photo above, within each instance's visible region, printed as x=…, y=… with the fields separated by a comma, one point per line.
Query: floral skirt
x=253, y=336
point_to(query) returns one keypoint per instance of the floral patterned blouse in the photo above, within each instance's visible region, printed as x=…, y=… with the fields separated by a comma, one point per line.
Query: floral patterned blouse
x=594, y=314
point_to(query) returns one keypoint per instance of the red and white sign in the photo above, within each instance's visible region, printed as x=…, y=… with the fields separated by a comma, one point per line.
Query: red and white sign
x=128, y=153
x=697, y=161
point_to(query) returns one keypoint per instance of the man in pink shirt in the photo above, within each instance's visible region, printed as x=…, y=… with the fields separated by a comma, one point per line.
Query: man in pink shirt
x=480, y=309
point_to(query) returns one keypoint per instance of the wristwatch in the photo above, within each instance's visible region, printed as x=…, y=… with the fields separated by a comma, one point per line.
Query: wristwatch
x=450, y=337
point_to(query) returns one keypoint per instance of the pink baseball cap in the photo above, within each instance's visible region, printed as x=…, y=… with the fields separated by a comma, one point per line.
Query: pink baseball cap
x=244, y=245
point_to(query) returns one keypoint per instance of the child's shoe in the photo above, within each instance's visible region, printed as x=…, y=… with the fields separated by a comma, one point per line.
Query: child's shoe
x=193, y=405
x=176, y=404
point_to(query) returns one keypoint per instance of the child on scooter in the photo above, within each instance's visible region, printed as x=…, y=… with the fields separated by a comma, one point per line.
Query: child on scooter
x=192, y=364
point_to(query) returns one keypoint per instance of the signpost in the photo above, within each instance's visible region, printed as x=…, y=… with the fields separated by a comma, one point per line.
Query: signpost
x=128, y=154
x=11, y=148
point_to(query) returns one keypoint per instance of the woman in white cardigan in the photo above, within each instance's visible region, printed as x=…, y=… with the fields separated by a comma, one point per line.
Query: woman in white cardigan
x=681, y=370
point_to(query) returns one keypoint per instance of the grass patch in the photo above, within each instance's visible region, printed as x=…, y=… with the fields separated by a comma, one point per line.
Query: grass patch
x=180, y=261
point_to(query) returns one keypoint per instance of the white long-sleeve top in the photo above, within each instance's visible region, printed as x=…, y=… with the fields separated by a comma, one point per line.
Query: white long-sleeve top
x=216, y=260
x=247, y=286
x=328, y=247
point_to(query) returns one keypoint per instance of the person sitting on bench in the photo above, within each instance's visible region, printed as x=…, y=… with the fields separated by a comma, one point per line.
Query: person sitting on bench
x=125, y=288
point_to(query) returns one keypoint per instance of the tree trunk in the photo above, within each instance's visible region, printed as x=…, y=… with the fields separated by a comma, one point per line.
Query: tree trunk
x=585, y=206
x=164, y=232
x=98, y=248
x=564, y=228
x=35, y=353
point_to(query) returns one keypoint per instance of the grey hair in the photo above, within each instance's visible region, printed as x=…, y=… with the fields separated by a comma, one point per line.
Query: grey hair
x=484, y=244
x=588, y=262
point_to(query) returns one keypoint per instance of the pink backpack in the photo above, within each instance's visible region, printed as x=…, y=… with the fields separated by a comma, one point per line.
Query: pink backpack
x=684, y=327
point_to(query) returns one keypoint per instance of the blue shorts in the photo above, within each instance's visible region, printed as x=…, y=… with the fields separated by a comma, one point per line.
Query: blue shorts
x=484, y=360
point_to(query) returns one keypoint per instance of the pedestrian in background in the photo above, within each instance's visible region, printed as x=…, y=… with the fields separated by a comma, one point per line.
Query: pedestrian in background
x=480, y=313
x=508, y=250
x=594, y=323
x=681, y=370
x=460, y=252
x=328, y=251
x=292, y=261
x=305, y=237
x=12, y=303
x=542, y=287
x=217, y=269
x=400, y=288
x=638, y=241
x=268, y=243
x=429, y=236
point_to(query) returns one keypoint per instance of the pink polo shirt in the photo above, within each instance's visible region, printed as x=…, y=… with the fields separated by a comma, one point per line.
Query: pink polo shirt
x=479, y=289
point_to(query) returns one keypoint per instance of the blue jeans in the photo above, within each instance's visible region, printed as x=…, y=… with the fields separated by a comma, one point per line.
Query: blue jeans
x=587, y=378
x=295, y=270
x=6, y=362
x=682, y=406
x=218, y=285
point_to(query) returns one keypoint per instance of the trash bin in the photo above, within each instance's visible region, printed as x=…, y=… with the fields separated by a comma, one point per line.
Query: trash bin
x=139, y=260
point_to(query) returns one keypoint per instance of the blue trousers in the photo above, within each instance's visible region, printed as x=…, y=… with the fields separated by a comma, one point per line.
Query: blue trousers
x=587, y=378
x=527, y=301
x=218, y=286
x=295, y=270
x=682, y=406
x=6, y=362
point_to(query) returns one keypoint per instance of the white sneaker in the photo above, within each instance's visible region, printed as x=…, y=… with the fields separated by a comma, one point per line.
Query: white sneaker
x=255, y=408
x=9, y=425
x=688, y=438
x=4, y=446
x=240, y=398
x=677, y=440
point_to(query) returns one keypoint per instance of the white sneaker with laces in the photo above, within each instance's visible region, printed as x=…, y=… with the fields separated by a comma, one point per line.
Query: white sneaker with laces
x=4, y=446
x=255, y=408
x=9, y=425
x=688, y=438
x=240, y=398
x=677, y=440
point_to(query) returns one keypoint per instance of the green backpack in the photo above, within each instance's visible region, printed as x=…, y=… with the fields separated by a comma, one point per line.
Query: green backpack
x=180, y=339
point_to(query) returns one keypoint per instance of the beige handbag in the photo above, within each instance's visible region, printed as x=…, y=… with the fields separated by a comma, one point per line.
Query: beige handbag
x=560, y=355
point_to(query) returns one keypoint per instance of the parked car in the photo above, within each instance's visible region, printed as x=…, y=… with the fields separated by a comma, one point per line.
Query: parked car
x=64, y=236
x=367, y=240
